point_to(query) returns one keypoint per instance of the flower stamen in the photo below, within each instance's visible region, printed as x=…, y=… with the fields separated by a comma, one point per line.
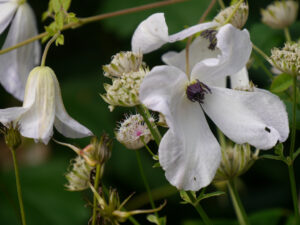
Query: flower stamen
x=196, y=91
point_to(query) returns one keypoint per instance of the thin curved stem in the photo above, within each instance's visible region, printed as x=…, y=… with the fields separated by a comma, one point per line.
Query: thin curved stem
x=47, y=48
x=151, y=125
x=287, y=34
x=96, y=186
x=237, y=204
x=200, y=210
x=144, y=178
x=234, y=11
x=221, y=3
x=18, y=184
x=147, y=147
x=292, y=147
x=264, y=55
x=83, y=21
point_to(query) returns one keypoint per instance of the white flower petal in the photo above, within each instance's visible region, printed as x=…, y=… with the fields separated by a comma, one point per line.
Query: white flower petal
x=258, y=118
x=65, y=124
x=16, y=65
x=240, y=79
x=163, y=85
x=235, y=47
x=189, y=153
x=11, y=114
x=198, y=51
x=7, y=11
x=191, y=30
x=152, y=33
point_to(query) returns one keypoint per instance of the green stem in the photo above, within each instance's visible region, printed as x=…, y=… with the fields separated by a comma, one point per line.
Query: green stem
x=221, y=3
x=133, y=221
x=47, y=48
x=22, y=212
x=200, y=210
x=237, y=204
x=294, y=192
x=264, y=55
x=138, y=157
x=287, y=34
x=147, y=147
x=233, y=12
x=83, y=21
x=151, y=125
x=96, y=185
x=292, y=147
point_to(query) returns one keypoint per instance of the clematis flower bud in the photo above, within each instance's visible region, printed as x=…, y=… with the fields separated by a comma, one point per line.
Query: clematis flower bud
x=124, y=91
x=42, y=108
x=133, y=132
x=123, y=62
x=239, y=18
x=236, y=160
x=280, y=14
x=79, y=175
x=287, y=59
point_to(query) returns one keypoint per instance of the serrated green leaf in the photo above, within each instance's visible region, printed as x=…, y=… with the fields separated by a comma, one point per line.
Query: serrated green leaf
x=186, y=199
x=209, y=195
x=56, y=5
x=157, y=220
x=281, y=83
x=279, y=149
x=59, y=20
x=66, y=4
x=60, y=40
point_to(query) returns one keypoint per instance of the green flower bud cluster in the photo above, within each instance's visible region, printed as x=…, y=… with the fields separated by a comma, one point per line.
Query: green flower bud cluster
x=280, y=14
x=238, y=18
x=133, y=132
x=123, y=62
x=79, y=174
x=127, y=72
x=236, y=160
x=287, y=59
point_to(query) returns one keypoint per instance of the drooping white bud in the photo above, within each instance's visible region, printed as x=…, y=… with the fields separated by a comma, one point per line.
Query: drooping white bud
x=123, y=62
x=133, y=132
x=124, y=91
x=239, y=18
x=287, y=59
x=280, y=14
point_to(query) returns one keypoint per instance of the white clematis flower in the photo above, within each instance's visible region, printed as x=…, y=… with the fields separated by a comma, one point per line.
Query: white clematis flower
x=16, y=65
x=152, y=33
x=189, y=153
x=42, y=108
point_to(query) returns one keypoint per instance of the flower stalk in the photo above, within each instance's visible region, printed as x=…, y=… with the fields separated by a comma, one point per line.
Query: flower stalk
x=144, y=178
x=96, y=186
x=287, y=34
x=47, y=48
x=199, y=209
x=151, y=125
x=237, y=204
x=83, y=21
x=18, y=184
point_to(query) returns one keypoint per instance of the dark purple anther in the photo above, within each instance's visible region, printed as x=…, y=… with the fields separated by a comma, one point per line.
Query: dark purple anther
x=211, y=36
x=196, y=92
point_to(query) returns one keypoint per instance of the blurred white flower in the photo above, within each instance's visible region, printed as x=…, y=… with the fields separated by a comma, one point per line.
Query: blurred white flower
x=152, y=33
x=16, y=65
x=189, y=153
x=42, y=108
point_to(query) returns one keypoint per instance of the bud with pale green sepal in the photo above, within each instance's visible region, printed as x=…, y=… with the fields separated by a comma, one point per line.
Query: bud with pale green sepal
x=236, y=160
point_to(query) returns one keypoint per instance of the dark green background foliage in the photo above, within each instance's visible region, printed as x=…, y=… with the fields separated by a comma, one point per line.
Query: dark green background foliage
x=78, y=67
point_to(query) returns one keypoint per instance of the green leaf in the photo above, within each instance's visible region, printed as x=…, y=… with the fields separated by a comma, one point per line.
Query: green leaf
x=60, y=40
x=56, y=5
x=66, y=4
x=281, y=83
x=269, y=216
x=157, y=220
x=296, y=154
x=186, y=199
x=209, y=195
x=59, y=20
x=279, y=149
